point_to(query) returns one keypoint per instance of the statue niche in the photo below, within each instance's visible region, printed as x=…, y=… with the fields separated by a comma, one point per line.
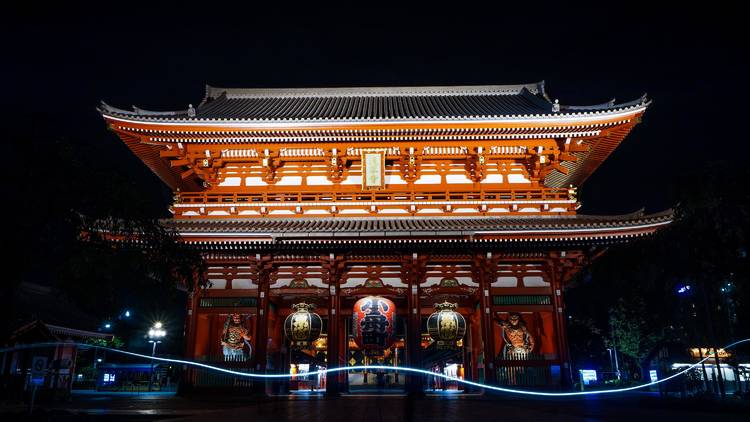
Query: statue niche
x=517, y=340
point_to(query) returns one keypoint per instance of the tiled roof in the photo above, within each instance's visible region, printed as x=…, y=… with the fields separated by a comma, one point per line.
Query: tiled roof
x=374, y=107
x=76, y=333
x=372, y=103
x=58, y=333
x=411, y=226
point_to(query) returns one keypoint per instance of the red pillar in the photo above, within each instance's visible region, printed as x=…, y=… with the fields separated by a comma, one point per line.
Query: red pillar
x=190, y=322
x=414, y=382
x=261, y=328
x=334, y=339
x=413, y=272
x=488, y=334
x=566, y=374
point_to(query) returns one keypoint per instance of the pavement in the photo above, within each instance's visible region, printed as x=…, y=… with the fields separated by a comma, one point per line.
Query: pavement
x=376, y=408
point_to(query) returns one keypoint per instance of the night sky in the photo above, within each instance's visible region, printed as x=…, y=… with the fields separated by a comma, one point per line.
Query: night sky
x=61, y=63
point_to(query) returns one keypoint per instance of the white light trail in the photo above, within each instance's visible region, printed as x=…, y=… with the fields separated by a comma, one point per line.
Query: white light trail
x=377, y=367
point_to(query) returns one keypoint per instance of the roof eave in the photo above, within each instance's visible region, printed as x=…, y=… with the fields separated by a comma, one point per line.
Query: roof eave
x=553, y=118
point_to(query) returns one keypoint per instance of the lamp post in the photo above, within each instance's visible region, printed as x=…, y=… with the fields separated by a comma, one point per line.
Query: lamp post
x=701, y=287
x=712, y=335
x=686, y=290
x=617, y=365
x=154, y=334
x=614, y=351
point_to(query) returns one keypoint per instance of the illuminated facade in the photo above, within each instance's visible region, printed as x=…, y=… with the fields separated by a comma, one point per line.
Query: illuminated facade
x=463, y=196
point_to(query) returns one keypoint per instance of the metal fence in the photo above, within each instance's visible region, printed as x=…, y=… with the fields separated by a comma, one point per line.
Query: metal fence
x=197, y=377
x=524, y=375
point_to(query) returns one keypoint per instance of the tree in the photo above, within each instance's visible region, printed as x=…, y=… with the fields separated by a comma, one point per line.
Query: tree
x=634, y=287
x=712, y=228
x=586, y=342
x=633, y=332
x=67, y=193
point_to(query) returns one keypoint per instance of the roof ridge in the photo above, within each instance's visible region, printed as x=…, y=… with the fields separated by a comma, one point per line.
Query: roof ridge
x=137, y=111
x=536, y=88
x=604, y=105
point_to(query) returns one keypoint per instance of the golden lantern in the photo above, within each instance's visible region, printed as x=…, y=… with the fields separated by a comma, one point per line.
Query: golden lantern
x=302, y=326
x=446, y=326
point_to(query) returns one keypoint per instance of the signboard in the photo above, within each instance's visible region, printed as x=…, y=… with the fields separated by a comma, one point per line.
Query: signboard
x=38, y=369
x=702, y=352
x=653, y=375
x=373, y=169
x=588, y=376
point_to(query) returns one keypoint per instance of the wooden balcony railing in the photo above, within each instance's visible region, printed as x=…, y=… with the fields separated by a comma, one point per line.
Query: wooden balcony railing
x=512, y=195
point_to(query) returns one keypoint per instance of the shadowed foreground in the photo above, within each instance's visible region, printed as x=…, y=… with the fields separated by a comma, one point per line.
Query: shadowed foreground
x=633, y=407
x=381, y=409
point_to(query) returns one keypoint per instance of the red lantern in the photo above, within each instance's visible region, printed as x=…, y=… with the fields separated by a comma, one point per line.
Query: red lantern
x=373, y=323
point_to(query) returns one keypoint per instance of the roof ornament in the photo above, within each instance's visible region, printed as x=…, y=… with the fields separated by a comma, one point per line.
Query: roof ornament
x=572, y=193
x=556, y=106
x=191, y=111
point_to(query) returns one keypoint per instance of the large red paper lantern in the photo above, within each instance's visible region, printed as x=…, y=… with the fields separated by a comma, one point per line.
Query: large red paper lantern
x=373, y=323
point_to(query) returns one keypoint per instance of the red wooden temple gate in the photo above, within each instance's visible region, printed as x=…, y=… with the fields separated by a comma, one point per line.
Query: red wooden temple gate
x=421, y=195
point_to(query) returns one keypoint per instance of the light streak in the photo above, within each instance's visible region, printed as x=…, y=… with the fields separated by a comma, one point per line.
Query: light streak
x=375, y=367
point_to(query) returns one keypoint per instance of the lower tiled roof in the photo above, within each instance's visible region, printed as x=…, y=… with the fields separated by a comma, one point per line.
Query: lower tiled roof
x=406, y=226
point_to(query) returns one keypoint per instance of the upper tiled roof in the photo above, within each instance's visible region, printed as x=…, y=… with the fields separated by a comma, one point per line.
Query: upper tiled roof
x=370, y=103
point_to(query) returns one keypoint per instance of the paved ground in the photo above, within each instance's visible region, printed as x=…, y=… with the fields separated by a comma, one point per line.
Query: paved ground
x=384, y=409
x=475, y=408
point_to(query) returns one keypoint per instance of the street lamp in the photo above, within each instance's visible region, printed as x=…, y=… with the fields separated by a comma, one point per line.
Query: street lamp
x=614, y=349
x=154, y=334
x=684, y=289
x=613, y=363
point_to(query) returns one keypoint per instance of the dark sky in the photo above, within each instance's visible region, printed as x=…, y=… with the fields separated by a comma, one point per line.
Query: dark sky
x=61, y=63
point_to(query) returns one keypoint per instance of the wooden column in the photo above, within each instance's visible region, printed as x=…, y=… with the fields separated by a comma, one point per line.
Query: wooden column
x=413, y=270
x=264, y=266
x=485, y=276
x=561, y=332
x=414, y=336
x=190, y=322
x=334, y=267
x=334, y=334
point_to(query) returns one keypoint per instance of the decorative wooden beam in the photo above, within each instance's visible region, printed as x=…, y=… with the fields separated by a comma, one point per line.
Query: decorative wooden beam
x=187, y=173
x=178, y=163
x=170, y=153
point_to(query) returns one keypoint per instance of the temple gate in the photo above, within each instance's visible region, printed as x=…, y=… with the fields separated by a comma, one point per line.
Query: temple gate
x=462, y=195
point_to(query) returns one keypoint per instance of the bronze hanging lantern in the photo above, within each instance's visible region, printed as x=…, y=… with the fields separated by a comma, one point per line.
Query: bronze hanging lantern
x=446, y=326
x=303, y=326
